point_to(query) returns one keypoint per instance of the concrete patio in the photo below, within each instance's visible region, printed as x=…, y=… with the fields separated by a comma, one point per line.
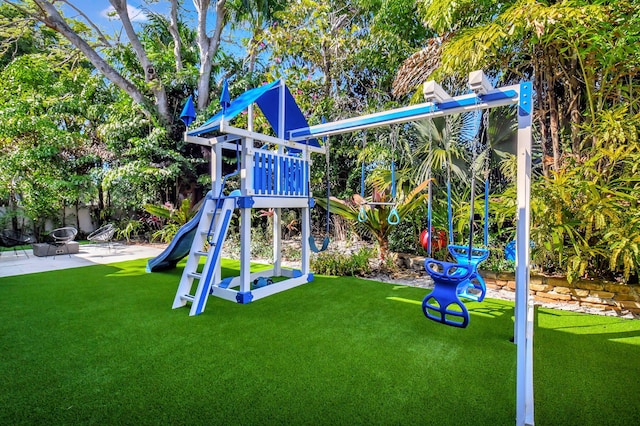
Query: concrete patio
x=21, y=263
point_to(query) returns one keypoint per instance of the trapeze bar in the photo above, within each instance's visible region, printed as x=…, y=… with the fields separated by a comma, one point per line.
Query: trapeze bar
x=379, y=204
x=499, y=97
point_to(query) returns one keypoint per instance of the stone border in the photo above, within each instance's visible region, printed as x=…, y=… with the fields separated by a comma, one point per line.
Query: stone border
x=595, y=294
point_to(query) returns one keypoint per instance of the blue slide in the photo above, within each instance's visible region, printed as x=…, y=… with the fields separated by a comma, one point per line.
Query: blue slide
x=179, y=246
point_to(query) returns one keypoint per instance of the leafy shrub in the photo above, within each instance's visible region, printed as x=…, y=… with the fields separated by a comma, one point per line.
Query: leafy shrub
x=173, y=218
x=129, y=229
x=404, y=236
x=496, y=262
x=340, y=264
x=261, y=243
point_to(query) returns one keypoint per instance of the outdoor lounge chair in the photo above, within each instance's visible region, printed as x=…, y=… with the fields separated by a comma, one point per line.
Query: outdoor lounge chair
x=103, y=235
x=61, y=239
x=13, y=239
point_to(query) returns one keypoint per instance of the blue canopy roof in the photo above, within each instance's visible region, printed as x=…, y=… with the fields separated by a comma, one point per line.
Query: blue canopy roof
x=267, y=97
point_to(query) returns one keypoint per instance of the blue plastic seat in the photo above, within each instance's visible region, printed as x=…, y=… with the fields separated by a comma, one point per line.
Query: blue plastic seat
x=474, y=287
x=443, y=304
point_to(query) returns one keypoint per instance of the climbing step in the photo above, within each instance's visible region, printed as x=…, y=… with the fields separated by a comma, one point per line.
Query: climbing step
x=187, y=297
x=212, y=226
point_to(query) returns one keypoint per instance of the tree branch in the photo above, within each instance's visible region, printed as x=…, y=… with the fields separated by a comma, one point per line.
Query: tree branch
x=150, y=75
x=101, y=36
x=52, y=19
x=208, y=46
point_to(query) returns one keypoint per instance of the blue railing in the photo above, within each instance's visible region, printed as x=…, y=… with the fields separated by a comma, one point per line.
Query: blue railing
x=280, y=175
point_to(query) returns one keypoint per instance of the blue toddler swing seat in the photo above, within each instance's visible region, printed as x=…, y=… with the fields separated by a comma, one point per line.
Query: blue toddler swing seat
x=474, y=287
x=447, y=278
x=461, y=279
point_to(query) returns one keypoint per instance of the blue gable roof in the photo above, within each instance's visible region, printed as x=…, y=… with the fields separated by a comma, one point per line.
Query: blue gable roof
x=238, y=105
x=267, y=97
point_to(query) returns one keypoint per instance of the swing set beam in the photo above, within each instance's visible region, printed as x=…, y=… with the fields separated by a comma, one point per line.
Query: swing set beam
x=485, y=97
x=466, y=103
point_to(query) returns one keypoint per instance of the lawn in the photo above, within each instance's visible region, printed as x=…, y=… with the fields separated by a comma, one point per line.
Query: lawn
x=101, y=345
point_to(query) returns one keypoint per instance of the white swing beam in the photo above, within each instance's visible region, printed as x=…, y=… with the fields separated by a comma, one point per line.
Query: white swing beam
x=440, y=104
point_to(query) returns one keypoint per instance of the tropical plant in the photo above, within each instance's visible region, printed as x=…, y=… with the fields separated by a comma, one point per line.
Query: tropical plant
x=377, y=224
x=129, y=229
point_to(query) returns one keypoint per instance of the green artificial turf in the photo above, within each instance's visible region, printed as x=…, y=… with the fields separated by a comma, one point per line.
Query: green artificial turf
x=101, y=345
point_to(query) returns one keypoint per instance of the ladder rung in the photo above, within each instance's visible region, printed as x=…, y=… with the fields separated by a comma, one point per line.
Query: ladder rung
x=187, y=297
x=204, y=233
x=200, y=253
x=197, y=275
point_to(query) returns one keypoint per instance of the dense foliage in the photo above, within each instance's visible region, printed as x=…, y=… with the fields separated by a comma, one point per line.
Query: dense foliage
x=90, y=117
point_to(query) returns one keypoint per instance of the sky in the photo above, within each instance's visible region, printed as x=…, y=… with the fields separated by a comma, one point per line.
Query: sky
x=103, y=16
x=99, y=12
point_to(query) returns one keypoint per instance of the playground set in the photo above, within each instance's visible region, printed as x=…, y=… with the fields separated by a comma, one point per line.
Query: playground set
x=274, y=174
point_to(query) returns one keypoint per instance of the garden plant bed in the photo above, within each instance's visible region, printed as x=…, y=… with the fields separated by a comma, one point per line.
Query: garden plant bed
x=586, y=296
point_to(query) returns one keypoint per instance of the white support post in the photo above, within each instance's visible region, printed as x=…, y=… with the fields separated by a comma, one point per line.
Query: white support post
x=248, y=187
x=216, y=169
x=306, y=220
x=277, y=241
x=216, y=185
x=277, y=212
x=246, y=172
x=524, y=303
x=246, y=184
x=245, y=250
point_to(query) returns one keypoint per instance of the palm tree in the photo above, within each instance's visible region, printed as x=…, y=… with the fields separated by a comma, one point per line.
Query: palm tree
x=515, y=40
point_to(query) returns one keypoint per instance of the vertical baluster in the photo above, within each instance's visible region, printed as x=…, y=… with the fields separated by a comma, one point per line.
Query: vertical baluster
x=256, y=172
x=270, y=171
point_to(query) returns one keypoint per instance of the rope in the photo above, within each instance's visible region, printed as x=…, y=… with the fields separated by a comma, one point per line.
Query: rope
x=393, y=218
x=328, y=169
x=326, y=241
x=487, y=162
x=449, y=207
x=474, y=156
x=429, y=189
x=362, y=214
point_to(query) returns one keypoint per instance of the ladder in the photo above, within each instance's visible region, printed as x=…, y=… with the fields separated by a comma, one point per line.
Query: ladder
x=211, y=231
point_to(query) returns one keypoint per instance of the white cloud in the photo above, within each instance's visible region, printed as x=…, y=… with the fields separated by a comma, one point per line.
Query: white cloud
x=135, y=14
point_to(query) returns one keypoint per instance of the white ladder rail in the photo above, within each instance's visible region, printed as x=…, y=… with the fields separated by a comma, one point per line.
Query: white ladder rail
x=208, y=274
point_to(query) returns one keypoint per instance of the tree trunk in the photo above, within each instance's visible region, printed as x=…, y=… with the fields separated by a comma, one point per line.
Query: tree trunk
x=326, y=69
x=150, y=75
x=541, y=111
x=175, y=34
x=554, y=120
x=208, y=46
x=575, y=117
x=252, y=57
x=383, y=247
